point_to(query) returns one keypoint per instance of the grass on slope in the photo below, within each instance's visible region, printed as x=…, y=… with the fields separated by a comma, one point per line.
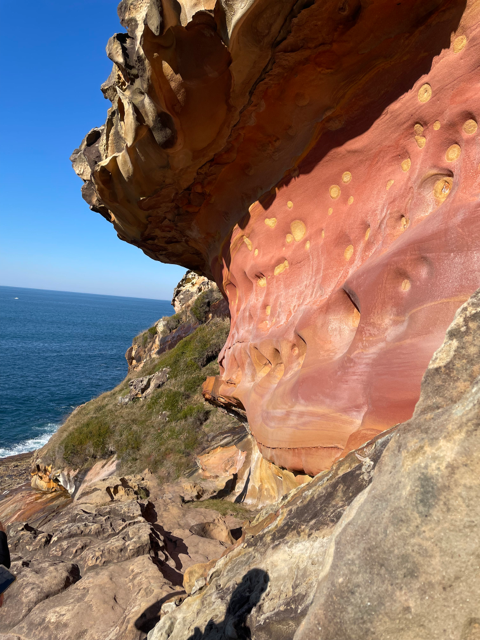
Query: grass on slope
x=161, y=433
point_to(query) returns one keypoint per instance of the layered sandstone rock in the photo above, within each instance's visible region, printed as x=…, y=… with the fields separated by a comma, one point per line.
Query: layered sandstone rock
x=320, y=160
x=234, y=469
x=104, y=564
x=382, y=546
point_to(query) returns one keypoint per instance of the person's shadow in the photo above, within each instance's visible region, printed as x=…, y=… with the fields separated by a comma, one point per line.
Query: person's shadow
x=244, y=599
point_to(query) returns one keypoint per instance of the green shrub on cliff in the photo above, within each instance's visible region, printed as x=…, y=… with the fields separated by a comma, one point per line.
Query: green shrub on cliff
x=201, y=306
x=89, y=439
x=163, y=432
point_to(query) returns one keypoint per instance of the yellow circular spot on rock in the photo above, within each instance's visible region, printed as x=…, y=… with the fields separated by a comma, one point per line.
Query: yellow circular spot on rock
x=453, y=153
x=355, y=318
x=424, y=93
x=298, y=230
x=437, y=125
x=367, y=233
x=404, y=222
x=330, y=211
x=346, y=177
x=420, y=140
x=470, y=127
x=271, y=222
x=335, y=191
x=290, y=204
x=348, y=252
x=248, y=243
x=289, y=238
x=280, y=268
x=406, y=284
x=389, y=184
x=350, y=200
x=406, y=164
x=418, y=129
x=442, y=189
x=262, y=282
x=459, y=43
x=307, y=245
x=256, y=252
x=323, y=233
x=268, y=310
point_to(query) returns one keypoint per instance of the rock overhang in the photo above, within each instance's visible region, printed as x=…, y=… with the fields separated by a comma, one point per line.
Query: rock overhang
x=320, y=161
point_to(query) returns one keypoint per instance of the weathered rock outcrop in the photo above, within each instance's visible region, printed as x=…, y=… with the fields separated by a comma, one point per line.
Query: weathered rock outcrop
x=189, y=288
x=320, y=161
x=234, y=469
x=196, y=299
x=104, y=565
x=143, y=387
x=382, y=546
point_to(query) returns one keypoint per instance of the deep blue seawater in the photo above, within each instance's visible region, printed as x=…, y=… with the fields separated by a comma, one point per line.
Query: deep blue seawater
x=59, y=350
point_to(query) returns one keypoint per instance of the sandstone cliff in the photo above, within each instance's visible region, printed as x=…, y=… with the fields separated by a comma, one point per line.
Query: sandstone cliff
x=320, y=160
x=383, y=545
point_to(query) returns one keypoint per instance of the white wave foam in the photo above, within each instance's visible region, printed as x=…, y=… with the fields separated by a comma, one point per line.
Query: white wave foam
x=31, y=444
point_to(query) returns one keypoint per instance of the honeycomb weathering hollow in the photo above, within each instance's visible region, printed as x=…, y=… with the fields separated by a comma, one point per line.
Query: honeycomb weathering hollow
x=322, y=162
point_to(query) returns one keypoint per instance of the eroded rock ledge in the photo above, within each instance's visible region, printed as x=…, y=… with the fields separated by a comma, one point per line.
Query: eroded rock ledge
x=320, y=161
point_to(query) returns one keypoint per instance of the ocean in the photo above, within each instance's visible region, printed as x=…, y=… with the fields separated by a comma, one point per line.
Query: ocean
x=59, y=350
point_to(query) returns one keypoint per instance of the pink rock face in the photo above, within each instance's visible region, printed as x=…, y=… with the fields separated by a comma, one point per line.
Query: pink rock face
x=341, y=290
x=363, y=236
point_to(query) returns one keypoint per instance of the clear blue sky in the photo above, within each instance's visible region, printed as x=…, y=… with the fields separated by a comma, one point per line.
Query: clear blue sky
x=54, y=62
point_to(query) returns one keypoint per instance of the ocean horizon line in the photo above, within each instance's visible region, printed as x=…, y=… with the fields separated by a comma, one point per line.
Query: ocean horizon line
x=82, y=293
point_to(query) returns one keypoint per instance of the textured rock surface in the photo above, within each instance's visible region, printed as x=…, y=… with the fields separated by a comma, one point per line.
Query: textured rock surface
x=233, y=468
x=320, y=160
x=188, y=290
x=143, y=351
x=103, y=565
x=142, y=388
x=14, y=470
x=383, y=546
x=167, y=332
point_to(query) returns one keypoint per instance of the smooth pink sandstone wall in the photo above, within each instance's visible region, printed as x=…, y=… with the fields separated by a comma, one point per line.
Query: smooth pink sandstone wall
x=342, y=289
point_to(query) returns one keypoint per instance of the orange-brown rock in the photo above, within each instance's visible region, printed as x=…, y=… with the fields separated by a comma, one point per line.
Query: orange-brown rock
x=233, y=468
x=321, y=160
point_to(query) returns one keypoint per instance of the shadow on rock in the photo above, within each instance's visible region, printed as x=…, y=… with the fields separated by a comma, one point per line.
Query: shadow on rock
x=151, y=615
x=244, y=599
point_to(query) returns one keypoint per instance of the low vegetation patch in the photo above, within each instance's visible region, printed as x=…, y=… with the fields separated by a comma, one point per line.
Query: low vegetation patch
x=224, y=508
x=201, y=307
x=161, y=433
